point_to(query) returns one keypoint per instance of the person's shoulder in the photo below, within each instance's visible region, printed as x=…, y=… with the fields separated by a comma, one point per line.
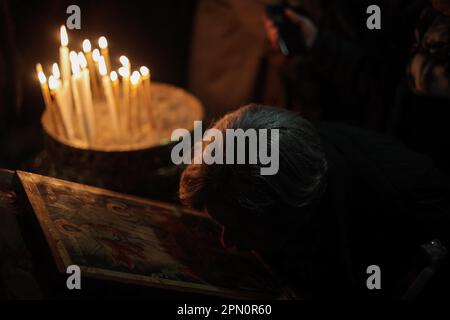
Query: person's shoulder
x=330, y=130
x=370, y=148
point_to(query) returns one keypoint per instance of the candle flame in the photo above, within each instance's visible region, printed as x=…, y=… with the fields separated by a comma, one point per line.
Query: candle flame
x=102, y=42
x=87, y=46
x=82, y=60
x=124, y=61
x=64, y=36
x=124, y=72
x=102, y=67
x=55, y=70
x=75, y=63
x=96, y=55
x=42, y=77
x=135, y=77
x=73, y=56
x=39, y=68
x=52, y=83
x=113, y=76
x=145, y=72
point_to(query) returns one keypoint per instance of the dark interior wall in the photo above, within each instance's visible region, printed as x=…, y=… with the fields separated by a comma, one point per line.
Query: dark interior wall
x=155, y=33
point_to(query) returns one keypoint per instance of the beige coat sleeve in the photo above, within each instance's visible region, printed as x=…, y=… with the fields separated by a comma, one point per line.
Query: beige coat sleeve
x=228, y=45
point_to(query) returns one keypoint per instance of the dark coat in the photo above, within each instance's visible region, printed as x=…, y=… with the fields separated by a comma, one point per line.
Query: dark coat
x=358, y=70
x=382, y=202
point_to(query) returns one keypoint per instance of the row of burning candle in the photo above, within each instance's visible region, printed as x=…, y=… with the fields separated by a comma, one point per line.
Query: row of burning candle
x=83, y=79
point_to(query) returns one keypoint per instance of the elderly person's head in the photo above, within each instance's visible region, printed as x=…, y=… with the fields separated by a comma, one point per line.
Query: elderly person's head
x=257, y=210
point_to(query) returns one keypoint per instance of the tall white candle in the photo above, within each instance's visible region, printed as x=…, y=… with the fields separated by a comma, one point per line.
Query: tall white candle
x=103, y=44
x=64, y=60
x=109, y=95
x=53, y=85
x=125, y=109
x=54, y=79
x=47, y=98
x=96, y=57
x=134, y=103
x=125, y=62
x=63, y=97
x=115, y=85
x=76, y=86
x=91, y=65
x=88, y=106
x=43, y=81
x=146, y=91
x=61, y=105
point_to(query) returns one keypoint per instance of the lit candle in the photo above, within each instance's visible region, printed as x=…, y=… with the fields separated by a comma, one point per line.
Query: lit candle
x=96, y=58
x=103, y=44
x=91, y=65
x=125, y=74
x=60, y=103
x=44, y=88
x=125, y=62
x=134, y=103
x=109, y=95
x=77, y=84
x=55, y=71
x=52, y=110
x=88, y=106
x=64, y=55
x=64, y=62
x=55, y=78
x=46, y=95
x=60, y=129
x=63, y=102
x=146, y=93
x=115, y=85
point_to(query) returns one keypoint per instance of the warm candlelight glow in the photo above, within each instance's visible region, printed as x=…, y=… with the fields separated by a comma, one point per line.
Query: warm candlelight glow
x=145, y=72
x=73, y=56
x=102, y=43
x=87, y=46
x=96, y=55
x=124, y=61
x=39, y=68
x=64, y=37
x=42, y=77
x=64, y=60
x=146, y=95
x=113, y=76
x=55, y=70
x=52, y=82
x=124, y=72
x=75, y=63
x=135, y=77
x=82, y=60
x=102, y=67
x=80, y=82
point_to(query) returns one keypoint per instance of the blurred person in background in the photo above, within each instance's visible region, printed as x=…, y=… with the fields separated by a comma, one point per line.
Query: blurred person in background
x=230, y=56
x=356, y=70
x=422, y=122
x=394, y=80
